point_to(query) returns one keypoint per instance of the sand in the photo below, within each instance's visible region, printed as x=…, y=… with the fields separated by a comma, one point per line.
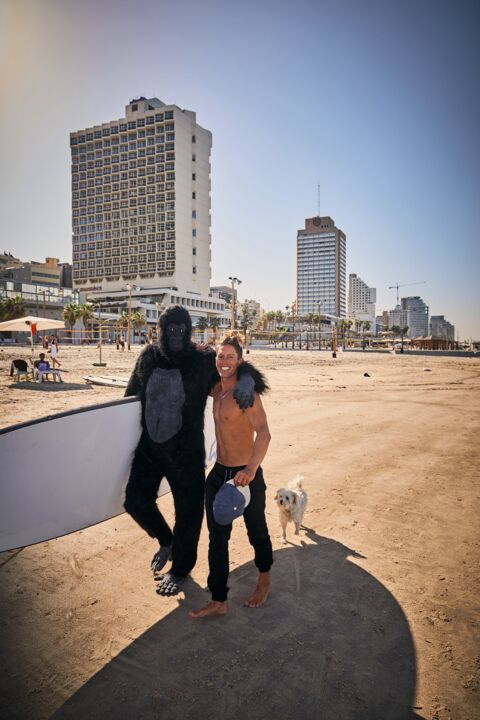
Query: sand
x=374, y=611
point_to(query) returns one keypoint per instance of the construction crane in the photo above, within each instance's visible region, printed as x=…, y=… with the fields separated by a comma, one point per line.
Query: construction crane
x=392, y=287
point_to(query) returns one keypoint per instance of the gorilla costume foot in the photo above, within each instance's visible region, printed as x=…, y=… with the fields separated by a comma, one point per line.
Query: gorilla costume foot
x=161, y=558
x=170, y=584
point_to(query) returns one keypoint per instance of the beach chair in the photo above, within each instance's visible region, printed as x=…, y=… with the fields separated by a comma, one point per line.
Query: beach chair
x=19, y=368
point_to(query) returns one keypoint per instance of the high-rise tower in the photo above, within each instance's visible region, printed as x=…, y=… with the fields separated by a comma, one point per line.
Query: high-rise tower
x=321, y=268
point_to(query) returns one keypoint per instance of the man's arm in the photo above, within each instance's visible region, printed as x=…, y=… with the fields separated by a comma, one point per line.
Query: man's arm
x=258, y=420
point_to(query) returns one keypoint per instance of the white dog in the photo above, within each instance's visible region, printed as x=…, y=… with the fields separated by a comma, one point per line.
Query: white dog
x=291, y=502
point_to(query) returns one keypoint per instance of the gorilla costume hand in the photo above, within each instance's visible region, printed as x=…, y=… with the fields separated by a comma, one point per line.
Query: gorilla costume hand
x=244, y=392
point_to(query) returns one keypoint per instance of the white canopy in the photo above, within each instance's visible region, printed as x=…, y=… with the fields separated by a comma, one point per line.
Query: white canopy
x=25, y=323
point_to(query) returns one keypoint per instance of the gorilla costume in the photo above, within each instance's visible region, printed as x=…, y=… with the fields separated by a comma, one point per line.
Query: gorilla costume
x=173, y=380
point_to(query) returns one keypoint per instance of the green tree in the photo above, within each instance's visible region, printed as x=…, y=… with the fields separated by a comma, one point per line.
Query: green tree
x=70, y=314
x=214, y=323
x=202, y=324
x=247, y=321
x=123, y=319
x=138, y=321
x=86, y=314
x=247, y=318
x=12, y=308
x=403, y=332
x=365, y=328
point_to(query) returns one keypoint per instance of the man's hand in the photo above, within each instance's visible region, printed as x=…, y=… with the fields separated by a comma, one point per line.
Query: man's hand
x=244, y=477
x=244, y=392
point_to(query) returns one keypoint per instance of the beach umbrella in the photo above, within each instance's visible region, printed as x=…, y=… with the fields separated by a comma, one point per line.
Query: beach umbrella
x=31, y=324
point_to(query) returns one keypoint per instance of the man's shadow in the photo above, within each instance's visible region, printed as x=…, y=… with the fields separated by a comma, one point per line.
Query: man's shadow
x=331, y=644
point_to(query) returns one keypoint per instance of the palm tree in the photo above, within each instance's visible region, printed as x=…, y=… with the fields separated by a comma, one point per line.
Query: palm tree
x=403, y=332
x=348, y=326
x=202, y=324
x=138, y=321
x=247, y=321
x=85, y=314
x=365, y=327
x=70, y=314
x=11, y=308
x=214, y=323
x=270, y=317
x=395, y=329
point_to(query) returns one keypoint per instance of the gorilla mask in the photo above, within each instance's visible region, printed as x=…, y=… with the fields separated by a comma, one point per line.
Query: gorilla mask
x=175, y=330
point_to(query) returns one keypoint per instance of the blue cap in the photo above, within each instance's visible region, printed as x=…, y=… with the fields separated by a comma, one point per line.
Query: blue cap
x=230, y=502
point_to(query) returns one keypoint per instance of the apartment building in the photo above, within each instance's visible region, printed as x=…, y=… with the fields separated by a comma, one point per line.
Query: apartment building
x=416, y=316
x=361, y=300
x=34, y=273
x=441, y=329
x=141, y=206
x=321, y=268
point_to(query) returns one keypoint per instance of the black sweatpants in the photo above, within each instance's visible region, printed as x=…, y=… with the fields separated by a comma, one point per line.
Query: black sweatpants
x=254, y=517
x=187, y=485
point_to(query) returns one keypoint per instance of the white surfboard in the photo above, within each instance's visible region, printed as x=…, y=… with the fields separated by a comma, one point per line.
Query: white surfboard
x=106, y=381
x=66, y=472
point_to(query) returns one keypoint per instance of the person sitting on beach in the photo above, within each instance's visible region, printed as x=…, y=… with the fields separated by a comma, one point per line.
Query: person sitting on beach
x=242, y=442
x=42, y=367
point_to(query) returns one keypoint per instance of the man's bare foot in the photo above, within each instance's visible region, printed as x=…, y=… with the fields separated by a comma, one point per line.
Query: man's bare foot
x=210, y=610
x=260, y=594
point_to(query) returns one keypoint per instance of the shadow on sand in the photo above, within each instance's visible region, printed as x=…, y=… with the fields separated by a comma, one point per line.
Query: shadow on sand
x=50, y=386
x=331, y=644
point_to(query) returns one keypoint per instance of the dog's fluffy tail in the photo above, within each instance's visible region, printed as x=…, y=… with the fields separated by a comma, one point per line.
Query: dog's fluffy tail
x=296, y=483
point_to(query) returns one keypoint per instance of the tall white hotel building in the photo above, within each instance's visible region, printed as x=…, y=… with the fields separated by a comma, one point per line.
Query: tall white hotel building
x=321, y=268
x=361, y=299
x=141, y=207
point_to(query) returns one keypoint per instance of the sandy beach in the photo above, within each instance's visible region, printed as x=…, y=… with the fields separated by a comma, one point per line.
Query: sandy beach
x=374, y=611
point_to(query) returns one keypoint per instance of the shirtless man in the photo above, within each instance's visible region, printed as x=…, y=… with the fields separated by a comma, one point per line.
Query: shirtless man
x=242, y=442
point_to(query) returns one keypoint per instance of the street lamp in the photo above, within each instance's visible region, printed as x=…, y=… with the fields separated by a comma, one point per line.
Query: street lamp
x=232, y=305
x=129, y=323
x=159, y=307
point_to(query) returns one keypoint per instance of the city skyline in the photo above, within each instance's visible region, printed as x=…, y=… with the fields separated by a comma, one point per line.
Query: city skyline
x=378, y=103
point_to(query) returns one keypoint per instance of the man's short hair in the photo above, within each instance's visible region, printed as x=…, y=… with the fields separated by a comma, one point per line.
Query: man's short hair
x=235, y=339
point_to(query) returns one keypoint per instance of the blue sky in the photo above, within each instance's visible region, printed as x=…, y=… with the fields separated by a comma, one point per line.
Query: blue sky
x=377, y=101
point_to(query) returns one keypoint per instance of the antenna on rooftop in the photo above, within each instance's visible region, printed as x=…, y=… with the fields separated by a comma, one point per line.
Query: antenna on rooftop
x=318, y=199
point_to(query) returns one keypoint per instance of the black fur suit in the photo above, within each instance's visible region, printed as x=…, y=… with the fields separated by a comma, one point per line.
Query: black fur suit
x=173, y=387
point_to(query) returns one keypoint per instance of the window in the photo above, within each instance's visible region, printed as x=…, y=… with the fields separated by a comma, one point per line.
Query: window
x=194, y=177
x=194, y=270
x=194, y=195
x=194, y=139
x=194, y=233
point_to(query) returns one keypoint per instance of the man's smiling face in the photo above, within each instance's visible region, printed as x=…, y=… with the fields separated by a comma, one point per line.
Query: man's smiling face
x=227, y=361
